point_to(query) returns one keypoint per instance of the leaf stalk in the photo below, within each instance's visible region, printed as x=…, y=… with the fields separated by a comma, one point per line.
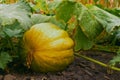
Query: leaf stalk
x=97, y=62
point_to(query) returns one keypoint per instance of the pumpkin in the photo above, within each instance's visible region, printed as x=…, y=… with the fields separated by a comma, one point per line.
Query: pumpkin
x=48, y=48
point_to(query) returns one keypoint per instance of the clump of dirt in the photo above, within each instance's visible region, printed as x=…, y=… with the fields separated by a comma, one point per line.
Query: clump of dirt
x=80, y=69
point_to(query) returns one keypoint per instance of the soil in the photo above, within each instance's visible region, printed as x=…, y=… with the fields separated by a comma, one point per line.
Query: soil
x=80, y=69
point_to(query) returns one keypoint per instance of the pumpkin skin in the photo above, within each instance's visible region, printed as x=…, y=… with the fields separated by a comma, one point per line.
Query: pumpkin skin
x=48, y=48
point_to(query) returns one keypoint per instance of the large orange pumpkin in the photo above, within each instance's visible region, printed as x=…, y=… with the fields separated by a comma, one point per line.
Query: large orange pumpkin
x=48, y=48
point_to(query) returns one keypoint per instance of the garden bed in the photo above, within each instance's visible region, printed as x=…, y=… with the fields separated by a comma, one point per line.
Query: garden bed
x=80, y=69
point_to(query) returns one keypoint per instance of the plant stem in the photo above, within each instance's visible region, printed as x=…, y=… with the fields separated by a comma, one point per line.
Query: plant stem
x=97, y=62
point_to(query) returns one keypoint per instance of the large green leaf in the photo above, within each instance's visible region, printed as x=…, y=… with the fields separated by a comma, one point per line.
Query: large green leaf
x=89, y=24
x=109, y=21
x=81, y=41
x=65, y=10
x=39, y=18
x=90, y=28
x=114, y=11
x=60, y=24
x=12, y=13
x=5, y=58
x=23, y=4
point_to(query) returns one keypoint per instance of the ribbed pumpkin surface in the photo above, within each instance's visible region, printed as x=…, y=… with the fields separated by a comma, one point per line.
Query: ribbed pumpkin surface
x=48, y=48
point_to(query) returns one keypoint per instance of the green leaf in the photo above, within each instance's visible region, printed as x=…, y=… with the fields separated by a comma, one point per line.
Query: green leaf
x=90, y=28
x=109, y=21
x=60, y=24
x=5, y=58
x=12, y=33
x=53, y=5
x=23, y=4
x=65, y=10
x=41, y=5
x=114, y=11
x=115, y=60
x=13, y=27
x=81, y=41
x=88, y=23
x=39, y=18
x=12, y=13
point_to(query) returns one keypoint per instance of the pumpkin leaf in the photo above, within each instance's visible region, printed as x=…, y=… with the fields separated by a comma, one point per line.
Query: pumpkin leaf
x=88, y=23
x=40, y=5
x=114, y=11
x=116, y=59
x=12, y=13
x=90, y=28
x=81, y=41
x=60, y=24
x=39, y=18
x=109, y=21
x=12, y=33
x=5, y=58
x=53, y=5
x=22, y=4
x=65, y=10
